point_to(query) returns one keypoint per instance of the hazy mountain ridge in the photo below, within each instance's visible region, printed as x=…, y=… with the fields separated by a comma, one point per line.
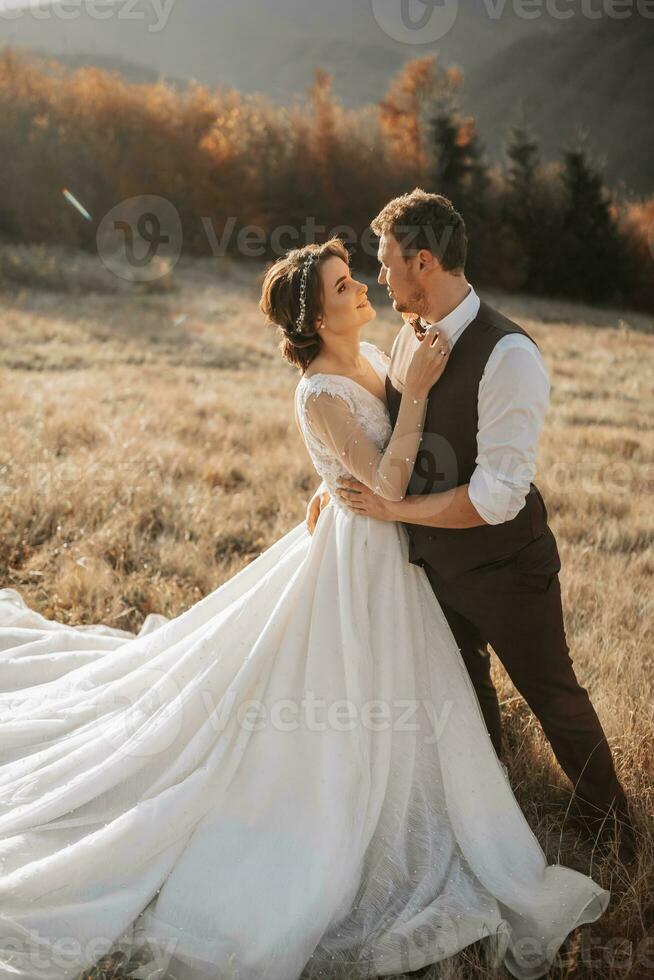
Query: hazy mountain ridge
x=253, y=47
x=596, y=74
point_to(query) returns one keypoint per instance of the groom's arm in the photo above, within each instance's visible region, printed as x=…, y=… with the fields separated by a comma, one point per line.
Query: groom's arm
x=453, y=509
x=512, y=403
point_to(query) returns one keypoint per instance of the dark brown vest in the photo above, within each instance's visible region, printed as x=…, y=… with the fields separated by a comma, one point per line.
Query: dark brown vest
x=447, y=457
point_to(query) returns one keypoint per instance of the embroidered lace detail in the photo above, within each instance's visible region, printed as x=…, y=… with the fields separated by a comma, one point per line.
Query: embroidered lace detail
x=370, y=412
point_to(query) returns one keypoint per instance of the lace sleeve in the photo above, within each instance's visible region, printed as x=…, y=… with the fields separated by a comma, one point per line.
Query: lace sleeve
x=386, y=472
x=323, y=488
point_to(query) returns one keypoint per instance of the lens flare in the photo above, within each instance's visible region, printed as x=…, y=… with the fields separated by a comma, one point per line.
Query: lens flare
x=76, y=204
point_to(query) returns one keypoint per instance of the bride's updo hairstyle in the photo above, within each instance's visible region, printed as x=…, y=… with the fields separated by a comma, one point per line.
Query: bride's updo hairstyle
x=281, y=299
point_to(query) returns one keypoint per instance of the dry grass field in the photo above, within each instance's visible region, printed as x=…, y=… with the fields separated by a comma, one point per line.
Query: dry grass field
x=144, y=461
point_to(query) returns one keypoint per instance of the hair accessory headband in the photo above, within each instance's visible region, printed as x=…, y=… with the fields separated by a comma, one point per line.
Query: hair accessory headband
x=303, y=288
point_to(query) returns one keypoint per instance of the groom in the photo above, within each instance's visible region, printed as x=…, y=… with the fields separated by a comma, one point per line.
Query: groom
x=475, y=521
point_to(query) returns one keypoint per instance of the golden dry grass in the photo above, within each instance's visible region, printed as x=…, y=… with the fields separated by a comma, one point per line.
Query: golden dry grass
x=143, y=463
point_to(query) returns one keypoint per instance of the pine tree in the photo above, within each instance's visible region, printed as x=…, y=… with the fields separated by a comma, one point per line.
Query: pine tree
x=524, y=215
x=405, y=110
x=591, y=259
x=459, y=172
x=524, y=159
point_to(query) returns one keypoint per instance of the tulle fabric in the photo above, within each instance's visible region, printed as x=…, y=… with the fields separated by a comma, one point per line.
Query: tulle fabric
x=144, y=805
x=388, y=470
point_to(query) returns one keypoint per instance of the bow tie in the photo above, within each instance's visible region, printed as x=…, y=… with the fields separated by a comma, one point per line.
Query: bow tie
x=418, y=328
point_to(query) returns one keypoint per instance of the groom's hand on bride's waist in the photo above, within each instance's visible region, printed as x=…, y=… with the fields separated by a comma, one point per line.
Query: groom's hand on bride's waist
x=361, y=500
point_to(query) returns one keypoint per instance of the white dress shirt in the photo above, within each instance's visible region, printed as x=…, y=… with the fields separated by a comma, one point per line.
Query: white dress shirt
x=512, y=402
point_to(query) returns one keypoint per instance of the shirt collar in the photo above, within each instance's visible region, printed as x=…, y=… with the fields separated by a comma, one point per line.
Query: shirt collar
x=453, y=325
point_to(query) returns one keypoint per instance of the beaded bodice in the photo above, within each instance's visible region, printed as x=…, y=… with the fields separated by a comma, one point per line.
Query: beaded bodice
x=370, y=413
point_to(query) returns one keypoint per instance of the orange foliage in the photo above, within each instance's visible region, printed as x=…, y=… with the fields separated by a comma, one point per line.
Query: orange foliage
x=215, y=154
x=227, y=161
x=418, y=89
x=636, y=222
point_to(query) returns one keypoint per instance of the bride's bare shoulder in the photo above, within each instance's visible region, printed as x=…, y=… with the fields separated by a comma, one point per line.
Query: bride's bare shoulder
x=317, y=366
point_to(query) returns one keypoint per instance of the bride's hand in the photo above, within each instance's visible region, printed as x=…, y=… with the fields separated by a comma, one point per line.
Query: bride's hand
x=427, y=364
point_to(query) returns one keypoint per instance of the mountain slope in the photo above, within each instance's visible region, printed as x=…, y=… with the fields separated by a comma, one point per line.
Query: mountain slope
x=254, y=46
x=599, y=76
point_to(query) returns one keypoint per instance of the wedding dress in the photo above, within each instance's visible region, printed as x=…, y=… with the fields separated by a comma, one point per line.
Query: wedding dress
x=291, y=778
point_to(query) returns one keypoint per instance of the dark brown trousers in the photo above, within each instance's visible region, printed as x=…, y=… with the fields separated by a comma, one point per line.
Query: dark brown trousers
x=515, y=605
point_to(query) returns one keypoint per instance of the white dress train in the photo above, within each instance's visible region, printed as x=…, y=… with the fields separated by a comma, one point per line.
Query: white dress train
x=291, y=778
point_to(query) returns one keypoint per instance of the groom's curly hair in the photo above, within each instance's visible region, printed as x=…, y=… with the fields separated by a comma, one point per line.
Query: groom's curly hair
x=280, y=299
x=422, y=220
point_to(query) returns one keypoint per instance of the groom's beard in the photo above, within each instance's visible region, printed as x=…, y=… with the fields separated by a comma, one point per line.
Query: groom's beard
x=417, y=303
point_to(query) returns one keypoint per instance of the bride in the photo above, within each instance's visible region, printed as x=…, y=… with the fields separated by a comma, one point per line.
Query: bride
x=293, y=777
